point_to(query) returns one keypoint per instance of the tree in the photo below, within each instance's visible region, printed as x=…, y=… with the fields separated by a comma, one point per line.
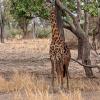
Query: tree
x=78, y=30
x=24, y=10
x=75, y=26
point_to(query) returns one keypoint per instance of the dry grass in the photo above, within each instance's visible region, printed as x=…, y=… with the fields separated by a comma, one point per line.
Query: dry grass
x=26, y=87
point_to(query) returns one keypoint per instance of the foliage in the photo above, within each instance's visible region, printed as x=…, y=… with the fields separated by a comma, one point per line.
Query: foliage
x=7, y=16
x=43, y=33
x=28, y=8
x=92, y=8
x=24, y=10
x=71, y=4
x=14, y=32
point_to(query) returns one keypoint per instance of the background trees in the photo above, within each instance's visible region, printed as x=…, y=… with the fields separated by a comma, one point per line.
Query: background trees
x=23, y=11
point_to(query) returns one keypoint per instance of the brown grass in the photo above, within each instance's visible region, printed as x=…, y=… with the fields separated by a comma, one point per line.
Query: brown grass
x=26, y=87
x=29, y=88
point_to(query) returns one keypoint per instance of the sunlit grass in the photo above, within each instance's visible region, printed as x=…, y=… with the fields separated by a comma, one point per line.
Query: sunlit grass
x=28, y=87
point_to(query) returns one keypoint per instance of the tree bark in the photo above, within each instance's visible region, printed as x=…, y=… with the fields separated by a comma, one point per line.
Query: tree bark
x=1, y=27
x=80, y=48
x=25, y=32
x=86, y=57
x=59, y=20
x=23, y=23
x=98, y=37
x=80, y=42
x=33, y=28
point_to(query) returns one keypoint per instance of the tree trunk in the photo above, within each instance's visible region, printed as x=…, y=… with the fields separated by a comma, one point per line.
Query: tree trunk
x=2, y=28
x=33, y=28
x=25, y=31
x=80, y=48
x=25, y=34
x=2, y=37
x=86, y=57
x=85, y=51
x=59, y=20
x=98, y=37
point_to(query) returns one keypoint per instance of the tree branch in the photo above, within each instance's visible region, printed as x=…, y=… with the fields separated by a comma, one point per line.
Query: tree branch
x=71, y=24
x=78, y=10
x=86, y=16
x=71, y=27
x=75, y=21
x=67, y=27
x=90, y=66
x=58, y=2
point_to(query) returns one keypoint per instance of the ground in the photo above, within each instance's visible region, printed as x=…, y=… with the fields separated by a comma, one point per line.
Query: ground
x=32, y=57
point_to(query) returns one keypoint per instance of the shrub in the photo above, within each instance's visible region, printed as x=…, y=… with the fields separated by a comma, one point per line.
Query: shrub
x=14, y=32
x=42, y=33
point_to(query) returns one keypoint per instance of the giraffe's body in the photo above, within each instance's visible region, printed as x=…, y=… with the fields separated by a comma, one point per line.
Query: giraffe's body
x=59, y=52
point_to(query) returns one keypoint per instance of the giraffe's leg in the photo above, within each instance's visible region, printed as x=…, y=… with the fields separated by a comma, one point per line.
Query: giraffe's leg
x=52, y=72
x=61, y=80
x=58, y=77
x=67, y=76
x=61, y=75
x=58, y=74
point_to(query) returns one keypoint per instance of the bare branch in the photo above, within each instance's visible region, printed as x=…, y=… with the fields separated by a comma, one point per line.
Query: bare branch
x=75, y=21
x=79, y=10
x=65, y=9
x=90, y=66
x=86, y=16
x=71, y=24
x=67, y=27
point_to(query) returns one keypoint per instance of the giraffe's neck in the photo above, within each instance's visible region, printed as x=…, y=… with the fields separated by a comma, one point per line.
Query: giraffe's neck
x=55, y=31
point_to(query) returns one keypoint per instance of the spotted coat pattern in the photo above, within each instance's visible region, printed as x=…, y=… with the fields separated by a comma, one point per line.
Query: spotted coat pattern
x=59, y=51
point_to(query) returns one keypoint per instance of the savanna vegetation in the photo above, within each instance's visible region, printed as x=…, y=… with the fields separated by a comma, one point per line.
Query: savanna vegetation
x=25, y=34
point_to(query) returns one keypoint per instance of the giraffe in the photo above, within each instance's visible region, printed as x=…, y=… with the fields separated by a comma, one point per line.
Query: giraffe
x=59, y=53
